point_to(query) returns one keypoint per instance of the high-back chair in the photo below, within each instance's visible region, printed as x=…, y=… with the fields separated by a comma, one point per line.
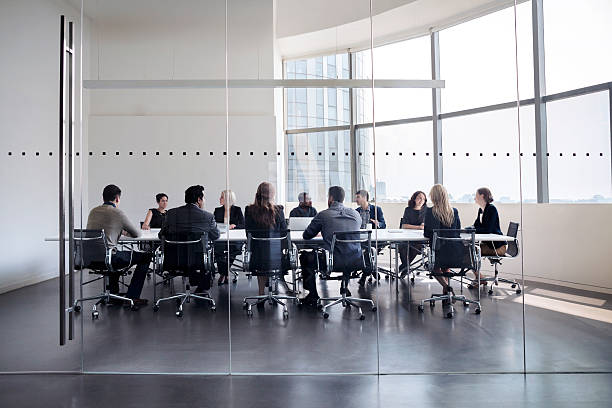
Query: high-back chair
x=347, y=256
x=91, y=253
x=183, y=255
x=496, y=260
x=269, y=254
x=457, y=249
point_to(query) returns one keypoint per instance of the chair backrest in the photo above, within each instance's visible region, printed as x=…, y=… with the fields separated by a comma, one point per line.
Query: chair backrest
x=185, y=252
x=349, y=249
x=513, y=249
x=90, y=250
x=454, y=248
x=267, y=251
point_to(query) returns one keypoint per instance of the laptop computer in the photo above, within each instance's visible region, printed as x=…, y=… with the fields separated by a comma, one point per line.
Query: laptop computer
x=299, y=223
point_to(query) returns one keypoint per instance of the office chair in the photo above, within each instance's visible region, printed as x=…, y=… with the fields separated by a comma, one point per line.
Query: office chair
x=511, y=252
x=337, y=261
x=182, y=256
x=417, y=263
x=450, y=250
x=92, y=253
x=222, y=255
x=270, y=254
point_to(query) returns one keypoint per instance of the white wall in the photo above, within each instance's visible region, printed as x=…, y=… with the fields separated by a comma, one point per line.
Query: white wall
x=29, y=83
x=148, y=47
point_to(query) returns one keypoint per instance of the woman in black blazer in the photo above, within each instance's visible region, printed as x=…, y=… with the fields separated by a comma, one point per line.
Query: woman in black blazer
x=441, y=216
x=230, y=215
x=487, y=222
x=263, y=214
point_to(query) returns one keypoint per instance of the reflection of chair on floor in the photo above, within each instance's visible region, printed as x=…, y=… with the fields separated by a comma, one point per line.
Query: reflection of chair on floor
x=91, y=252
x=358, y=246
x=511, y=252
x=450, y=250
x=270, y=254
x=185, y=256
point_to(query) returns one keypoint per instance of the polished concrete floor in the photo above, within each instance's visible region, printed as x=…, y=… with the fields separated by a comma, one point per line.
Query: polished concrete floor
x=567, y=330
x=498, y=390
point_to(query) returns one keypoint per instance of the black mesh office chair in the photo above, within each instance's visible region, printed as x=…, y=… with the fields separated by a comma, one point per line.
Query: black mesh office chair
x=418, y=263
x=91, y=253
x=270, y=254
x=347, y=256
x=452, y=249
x=184, y=255
x=496, y=260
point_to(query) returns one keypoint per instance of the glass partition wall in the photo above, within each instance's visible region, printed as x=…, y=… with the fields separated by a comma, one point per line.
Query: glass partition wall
x=218, y=94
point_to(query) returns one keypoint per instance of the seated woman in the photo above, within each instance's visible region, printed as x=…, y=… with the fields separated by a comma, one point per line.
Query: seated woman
x=414, y=216
x=155, y=216
x=440, y=216
x=231, y=215
x=487, y=222
x=263, y=214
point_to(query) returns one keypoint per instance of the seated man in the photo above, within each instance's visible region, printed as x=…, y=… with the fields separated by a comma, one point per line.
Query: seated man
x=369, y=213
x=190, y=220
x=305, y=208
x=336, y=218
x=114, y=222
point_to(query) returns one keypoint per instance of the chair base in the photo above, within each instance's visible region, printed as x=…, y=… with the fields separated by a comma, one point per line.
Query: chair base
x=450, y=297
x=101, y=298
x=186, y=297
x=345, y=302
x=514, y=284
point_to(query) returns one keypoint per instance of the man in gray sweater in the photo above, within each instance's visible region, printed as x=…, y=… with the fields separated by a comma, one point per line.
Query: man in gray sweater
x=114, y=222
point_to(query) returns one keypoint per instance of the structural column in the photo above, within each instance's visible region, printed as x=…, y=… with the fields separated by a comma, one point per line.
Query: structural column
x=539, y=90
x=436, y=107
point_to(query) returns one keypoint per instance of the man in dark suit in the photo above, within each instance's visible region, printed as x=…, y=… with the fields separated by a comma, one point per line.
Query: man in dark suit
x=192, y=220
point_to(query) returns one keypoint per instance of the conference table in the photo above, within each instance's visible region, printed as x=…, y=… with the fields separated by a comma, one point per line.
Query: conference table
x=380, y=238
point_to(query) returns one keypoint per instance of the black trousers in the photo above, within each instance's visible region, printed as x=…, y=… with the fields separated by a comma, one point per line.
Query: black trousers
x=224, y=262
x=407, y=253
x=122, y=259
x=310, y=262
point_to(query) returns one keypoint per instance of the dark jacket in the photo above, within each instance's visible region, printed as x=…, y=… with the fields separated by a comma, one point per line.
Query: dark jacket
x=450, y=254
x=379, y=215
x=489, y=223
x=303, y=212
x=189, y=220
x=235, y=217
x=265, y=255
x=413, y=217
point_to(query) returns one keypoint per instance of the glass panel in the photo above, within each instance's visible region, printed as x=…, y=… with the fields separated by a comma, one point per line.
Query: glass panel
x=477, y=60
x=576, y=58
x=579, y=172
x=150, y=141
x=29, y=172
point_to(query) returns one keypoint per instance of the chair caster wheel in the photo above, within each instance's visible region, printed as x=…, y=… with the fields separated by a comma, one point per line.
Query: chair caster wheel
x=418, y=273
x=432, y=303
x=179, y=313
x=513, y=285
x=361, y=317
x=421, y=308
x=155, y=308
x=374, y=308
x=386, y=277
x=102, y=301
x=477, y=311
x=449, y=315
x=319, y=306
x=490, y=292
x=285, y=315
x=249, y=277
x=77, y=308
x=134, y=308
x=518, y=291
x=470, y=286
x=249, y=313
x=234, y=280
x=95, y=315
x=466, y=304
x=325, y=315
x=213, y=308
x=411, y=280
x=244, y=305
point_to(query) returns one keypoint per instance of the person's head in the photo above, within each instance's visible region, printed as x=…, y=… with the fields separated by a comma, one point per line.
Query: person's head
x=335, y=194
x=227, y=198
x=417, y=200
x=195, y=195
x=162, y=200
x=483, y=197
x=111, y=194
x=362, y=197
x=263, y=209
x=304, y=200
x=442, y=209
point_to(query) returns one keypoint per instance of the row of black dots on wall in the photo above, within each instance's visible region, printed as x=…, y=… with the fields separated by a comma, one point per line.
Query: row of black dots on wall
x=265, y=153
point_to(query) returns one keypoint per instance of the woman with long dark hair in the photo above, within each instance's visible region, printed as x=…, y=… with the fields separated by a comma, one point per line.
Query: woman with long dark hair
x=414, y=217
x=263, y=214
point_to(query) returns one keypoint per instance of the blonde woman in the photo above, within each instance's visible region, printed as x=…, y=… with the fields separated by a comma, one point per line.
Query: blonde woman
x=231, y=215
x=441, y=216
